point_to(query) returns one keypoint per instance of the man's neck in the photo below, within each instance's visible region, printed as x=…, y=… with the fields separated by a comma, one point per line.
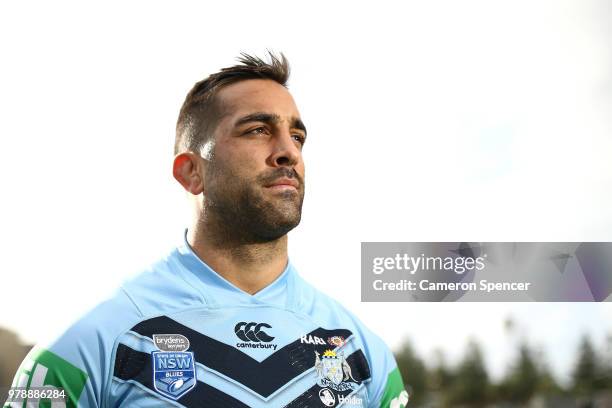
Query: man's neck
x=248, y=266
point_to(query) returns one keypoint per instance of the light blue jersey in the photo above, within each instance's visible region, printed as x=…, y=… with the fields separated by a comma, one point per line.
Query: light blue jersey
x=181, y=335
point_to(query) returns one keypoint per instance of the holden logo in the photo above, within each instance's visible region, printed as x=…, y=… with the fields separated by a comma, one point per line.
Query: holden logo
x=248, y=332
x=327, y=397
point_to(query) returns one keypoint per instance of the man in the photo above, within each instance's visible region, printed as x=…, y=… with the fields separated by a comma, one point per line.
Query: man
x=224, y=320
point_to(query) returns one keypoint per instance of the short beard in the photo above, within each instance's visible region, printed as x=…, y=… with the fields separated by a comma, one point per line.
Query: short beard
x=240, y=214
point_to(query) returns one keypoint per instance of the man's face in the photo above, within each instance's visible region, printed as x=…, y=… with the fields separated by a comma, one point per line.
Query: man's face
x=254, y=172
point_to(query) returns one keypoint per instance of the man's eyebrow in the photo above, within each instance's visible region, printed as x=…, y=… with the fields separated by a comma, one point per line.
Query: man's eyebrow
x=298, y=124
x=269, y=118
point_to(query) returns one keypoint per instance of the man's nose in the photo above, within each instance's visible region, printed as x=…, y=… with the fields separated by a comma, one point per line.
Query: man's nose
x=286, y=151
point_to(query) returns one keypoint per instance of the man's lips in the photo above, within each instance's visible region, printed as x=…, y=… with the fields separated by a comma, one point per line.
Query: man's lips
x=283, y=183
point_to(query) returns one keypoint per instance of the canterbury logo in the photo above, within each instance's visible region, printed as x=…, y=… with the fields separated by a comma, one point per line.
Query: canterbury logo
x=253, y=332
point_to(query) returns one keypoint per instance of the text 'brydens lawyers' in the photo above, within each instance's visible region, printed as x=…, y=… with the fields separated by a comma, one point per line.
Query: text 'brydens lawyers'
x=413, y=264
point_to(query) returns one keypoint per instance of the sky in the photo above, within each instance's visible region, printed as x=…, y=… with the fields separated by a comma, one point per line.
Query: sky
x=428, y=121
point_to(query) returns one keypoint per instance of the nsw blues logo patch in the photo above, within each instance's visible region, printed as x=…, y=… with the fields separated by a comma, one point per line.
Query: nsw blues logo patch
x=174, y=372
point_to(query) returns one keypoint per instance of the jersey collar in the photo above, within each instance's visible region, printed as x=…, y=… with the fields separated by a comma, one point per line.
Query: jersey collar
x=218, y=291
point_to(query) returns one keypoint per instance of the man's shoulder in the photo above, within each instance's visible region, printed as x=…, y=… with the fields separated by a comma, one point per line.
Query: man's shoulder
x=162, y=287
x=322, y=306
x=131, y=302
x=87, y=345
x=100, y=325
x=78, y=358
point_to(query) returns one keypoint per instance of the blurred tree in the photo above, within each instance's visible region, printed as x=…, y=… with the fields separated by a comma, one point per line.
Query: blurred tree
x=586, y=370
x=413, y=372
x=439, y=381
x=605, y=381
x=522, y=380
x=509, y=325
x=440, y=377
x=547, y=383
x=471, y=381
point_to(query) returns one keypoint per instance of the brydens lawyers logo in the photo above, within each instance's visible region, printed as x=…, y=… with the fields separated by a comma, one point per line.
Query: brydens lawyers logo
x=173, y=368
x=253, y=335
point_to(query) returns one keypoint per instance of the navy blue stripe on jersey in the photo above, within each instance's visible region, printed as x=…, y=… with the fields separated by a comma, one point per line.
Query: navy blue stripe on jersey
x=286, y=363
x=360, y=371
x=136, y=366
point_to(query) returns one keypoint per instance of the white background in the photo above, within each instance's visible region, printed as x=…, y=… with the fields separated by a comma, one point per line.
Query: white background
x=428, y=121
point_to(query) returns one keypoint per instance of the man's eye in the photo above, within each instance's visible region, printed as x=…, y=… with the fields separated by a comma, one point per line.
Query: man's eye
x=299, y=138
x=259, y=130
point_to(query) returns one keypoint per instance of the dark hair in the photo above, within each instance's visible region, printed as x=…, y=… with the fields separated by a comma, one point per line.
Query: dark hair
x=200, y=114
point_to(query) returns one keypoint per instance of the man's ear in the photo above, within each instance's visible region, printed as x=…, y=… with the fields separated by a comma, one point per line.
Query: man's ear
x=187, y=170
